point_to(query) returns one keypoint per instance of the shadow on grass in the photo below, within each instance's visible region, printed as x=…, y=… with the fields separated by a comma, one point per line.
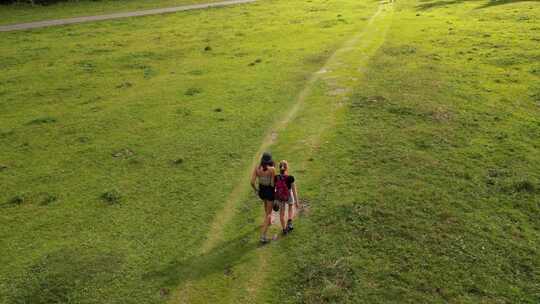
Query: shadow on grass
x=220, y=260
x=490, y=3
x=436, y=4
x=502, y=2
x=63, y=276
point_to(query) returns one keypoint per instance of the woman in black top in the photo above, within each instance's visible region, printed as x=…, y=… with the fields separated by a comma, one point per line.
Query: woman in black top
x=265, y=174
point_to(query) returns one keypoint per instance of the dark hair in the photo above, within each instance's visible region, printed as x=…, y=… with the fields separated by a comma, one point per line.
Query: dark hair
x=266, y=161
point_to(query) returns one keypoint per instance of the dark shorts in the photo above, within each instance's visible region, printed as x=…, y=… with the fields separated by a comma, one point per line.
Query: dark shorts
x=266, y=193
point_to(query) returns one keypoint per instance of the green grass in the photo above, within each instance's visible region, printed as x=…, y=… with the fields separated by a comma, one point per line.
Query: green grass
x=24, y=12
x=430, y=185
x=139, y=133
x=120, y=142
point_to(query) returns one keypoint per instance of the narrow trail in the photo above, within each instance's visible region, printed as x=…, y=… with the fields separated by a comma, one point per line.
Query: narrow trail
x=336, y=75
x=157, y=11
x=215, y=235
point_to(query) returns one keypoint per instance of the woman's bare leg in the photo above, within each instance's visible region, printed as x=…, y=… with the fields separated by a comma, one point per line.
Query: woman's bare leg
x=267, y=217
x=282, y=217
x=291, y=212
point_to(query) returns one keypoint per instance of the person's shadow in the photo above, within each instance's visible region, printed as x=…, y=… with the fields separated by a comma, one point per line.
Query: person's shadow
x=429, y=4
x=220, y=259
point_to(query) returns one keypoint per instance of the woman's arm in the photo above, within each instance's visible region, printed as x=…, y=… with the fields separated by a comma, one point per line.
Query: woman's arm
x=295, y=195
x=254, y=179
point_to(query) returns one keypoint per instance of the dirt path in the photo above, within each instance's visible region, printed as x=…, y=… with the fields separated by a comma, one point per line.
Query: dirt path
x=216, y=232
x=47, y=23
x=336, y=75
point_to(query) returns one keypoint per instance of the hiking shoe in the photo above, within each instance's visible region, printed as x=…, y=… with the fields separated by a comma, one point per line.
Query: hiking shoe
x=264, y=240
x=289, y=226
x=285, y=231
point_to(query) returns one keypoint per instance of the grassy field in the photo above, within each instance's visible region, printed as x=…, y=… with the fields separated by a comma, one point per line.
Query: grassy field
x=430, y=185
x=24, y=12
x=124, y=147
x=121, y=140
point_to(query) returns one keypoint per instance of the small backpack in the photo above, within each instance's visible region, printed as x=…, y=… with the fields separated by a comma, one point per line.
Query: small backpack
x=282, y=191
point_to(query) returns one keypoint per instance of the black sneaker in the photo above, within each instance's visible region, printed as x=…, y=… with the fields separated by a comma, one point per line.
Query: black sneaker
x=290, y=226
x=264, y=240
x=285, y=231
x=276, y=207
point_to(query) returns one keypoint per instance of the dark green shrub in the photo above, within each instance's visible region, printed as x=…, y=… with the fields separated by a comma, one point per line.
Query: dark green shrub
x=112, y=197
x=47, y=199
x=42, y=120
x=524, y=186
x=33, y=2
x=193, y=91
x=16, y=200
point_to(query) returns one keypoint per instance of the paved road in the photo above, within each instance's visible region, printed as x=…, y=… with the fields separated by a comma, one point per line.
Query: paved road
x=38, y=24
